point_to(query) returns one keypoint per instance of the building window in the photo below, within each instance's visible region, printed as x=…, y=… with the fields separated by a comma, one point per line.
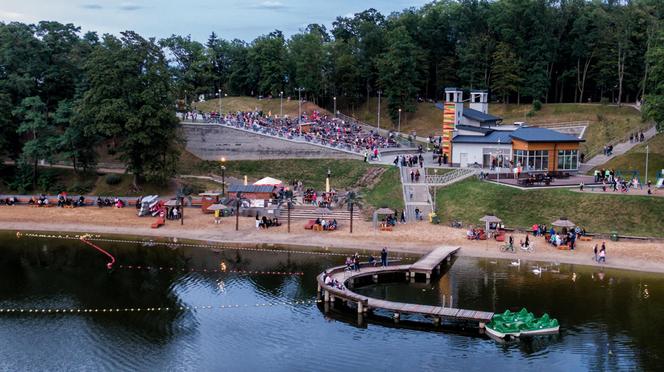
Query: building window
x=534, y=160
x=568, y=160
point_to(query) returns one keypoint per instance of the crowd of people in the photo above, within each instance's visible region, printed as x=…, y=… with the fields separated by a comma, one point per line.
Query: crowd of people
x=265, y=223
x=610, y=180
x=312, y=127
x=108, y=202
x=327, y=225
x=10, y=200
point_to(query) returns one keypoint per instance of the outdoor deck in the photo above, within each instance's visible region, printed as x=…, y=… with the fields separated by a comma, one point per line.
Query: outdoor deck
x=427, y=265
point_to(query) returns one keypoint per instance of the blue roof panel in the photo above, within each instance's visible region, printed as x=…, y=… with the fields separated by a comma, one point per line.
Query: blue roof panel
x=479, y=115
x=534, y=134
x=497, y=136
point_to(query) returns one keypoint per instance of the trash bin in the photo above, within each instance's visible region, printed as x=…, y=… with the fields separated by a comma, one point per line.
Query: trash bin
x=614, y=236
x=435, y=220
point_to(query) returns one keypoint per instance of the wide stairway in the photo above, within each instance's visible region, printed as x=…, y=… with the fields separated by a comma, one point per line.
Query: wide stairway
x=618, y=149
x=306, y=212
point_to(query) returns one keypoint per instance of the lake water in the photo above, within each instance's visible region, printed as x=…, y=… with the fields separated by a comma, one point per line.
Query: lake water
x=610, y=320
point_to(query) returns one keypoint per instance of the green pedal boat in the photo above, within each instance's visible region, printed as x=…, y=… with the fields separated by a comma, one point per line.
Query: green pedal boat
x=522, y=323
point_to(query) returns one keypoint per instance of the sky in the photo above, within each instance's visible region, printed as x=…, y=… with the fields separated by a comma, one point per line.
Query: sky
x=230, y=19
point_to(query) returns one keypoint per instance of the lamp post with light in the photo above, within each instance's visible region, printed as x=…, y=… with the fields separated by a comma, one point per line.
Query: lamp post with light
x=399, y=130
x=335, y=106
x=379, y=93
x=299, y=108
x=219, y=104
x=281, y=104
x=223, y=177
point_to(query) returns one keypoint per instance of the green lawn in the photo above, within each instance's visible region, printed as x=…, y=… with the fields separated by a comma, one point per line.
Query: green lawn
x=635, y=159
x=387, y=192
x=312, y=172
x=469, y=200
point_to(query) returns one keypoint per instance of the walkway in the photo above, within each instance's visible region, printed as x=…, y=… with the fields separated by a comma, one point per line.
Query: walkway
x=415, y=194
x=618, y=149
x=429, y=263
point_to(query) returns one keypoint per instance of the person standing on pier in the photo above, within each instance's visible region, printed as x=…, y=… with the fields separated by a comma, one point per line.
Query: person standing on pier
x=383, y=257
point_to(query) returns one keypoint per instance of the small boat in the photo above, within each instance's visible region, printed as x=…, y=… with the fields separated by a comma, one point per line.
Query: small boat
x=523, y=323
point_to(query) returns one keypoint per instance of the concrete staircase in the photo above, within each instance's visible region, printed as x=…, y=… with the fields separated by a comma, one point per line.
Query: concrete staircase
x=619, y=148
x=309, y=213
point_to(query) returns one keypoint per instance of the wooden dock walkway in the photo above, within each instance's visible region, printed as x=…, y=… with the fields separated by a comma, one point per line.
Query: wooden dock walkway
x=427, y=265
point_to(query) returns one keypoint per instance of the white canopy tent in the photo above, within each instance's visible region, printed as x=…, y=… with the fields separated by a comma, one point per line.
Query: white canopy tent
x=268, y=181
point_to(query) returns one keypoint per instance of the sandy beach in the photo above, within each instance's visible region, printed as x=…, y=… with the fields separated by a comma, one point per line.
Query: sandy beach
x=417, y=238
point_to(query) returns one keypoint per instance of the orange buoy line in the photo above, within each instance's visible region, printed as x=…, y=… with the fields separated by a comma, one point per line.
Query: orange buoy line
x=69, y=311
x=109, y=265
x=177, y=244
x=212, y=271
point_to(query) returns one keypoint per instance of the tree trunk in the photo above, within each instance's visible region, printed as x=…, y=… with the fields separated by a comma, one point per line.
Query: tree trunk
x=351, y=218
x=585, y=74
x=621, y=74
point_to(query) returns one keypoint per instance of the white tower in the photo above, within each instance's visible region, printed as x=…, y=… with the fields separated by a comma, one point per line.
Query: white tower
x=479, y=101
x=455, y=96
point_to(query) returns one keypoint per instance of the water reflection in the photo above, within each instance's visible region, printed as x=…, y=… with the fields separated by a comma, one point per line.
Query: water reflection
x=609, y=319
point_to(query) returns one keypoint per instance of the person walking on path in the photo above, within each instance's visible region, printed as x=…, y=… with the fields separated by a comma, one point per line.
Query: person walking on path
x=595, y=253
x=403, y=216
x=602, y=253
x=383, y=257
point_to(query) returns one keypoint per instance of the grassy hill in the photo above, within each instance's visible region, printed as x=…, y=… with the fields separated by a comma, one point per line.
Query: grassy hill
x=635, y=159
x=234, y=104
x=471, y=199
x=607, y=123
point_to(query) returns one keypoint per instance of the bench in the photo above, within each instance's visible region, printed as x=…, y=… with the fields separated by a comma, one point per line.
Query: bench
x=310, y=225
x=158, y=223
x=563, y=247
x=385, y=228
x=585, y=238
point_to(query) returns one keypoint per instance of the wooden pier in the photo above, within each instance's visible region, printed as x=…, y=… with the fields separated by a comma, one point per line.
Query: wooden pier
x=428, y=265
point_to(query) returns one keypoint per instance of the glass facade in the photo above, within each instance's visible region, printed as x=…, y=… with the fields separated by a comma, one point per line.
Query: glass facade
x=532, y=160
x=568, y=160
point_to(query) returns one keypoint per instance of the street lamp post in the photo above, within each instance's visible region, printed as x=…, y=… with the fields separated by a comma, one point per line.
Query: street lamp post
x=435, y=190
x=399, y=130
x=219, y=104
x=379, y=93
x=647, y=153
x=335, y=106
x=238, y=196
x=327, y=180
x=281, y=104
x=182, y=210
x=299, y=108
x=500, y=152
x=223, y=177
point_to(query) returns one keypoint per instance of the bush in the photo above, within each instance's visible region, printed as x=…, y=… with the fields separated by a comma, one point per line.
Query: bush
x=537, y=105
x=530, y=113
x=113, y=179
x=81, y=187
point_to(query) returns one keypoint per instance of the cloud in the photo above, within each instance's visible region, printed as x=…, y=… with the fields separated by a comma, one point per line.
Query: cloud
x=92, y=6
x=14, y=16
x=130, y=7
x=270, y=4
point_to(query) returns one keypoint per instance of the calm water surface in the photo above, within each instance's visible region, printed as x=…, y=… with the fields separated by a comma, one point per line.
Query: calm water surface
x=610, y=320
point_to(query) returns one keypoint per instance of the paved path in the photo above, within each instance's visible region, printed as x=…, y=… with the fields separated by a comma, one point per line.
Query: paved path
x=416, y=194
x=618, y=149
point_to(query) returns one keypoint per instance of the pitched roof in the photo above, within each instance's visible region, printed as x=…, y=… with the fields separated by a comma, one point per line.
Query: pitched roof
x=479, y=115
x=238, y=187
x=472, y=128
x=497, y=136
x=534, y=134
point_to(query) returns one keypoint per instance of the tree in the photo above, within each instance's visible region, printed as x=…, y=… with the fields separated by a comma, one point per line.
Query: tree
x=40, y=141
x=351, y=199
x=400, y=71
x=308, y=57
x=267, y=61
x=506, y=72
x=654, y=100
x=130, y=100
x=74, y=143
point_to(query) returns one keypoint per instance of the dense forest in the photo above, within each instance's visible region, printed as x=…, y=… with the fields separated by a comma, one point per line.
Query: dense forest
x=63, y=92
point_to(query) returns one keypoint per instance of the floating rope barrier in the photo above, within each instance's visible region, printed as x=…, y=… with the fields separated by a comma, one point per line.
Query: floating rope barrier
x=212, y=271
x=109, y=265
x=192, y=245
x=78, y=311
